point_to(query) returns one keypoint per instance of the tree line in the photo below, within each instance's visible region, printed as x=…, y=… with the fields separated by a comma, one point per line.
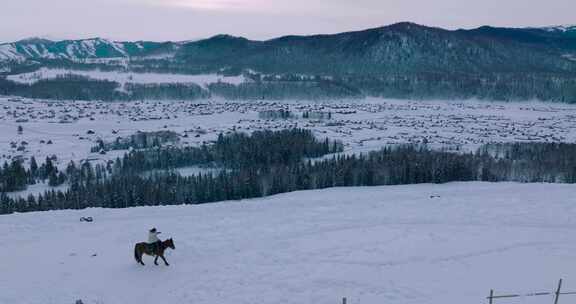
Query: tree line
x=432, y=85
x=15, y=176
x=77, y=87
x=268, y=162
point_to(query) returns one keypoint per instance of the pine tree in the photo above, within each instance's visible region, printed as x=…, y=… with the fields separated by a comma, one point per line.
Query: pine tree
x=33, y=167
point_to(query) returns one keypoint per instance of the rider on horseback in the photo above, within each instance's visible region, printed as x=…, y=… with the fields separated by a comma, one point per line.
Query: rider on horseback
x=154, y=247
x=153, y=240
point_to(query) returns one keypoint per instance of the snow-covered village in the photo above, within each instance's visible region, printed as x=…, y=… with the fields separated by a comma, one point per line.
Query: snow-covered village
x=222, y=152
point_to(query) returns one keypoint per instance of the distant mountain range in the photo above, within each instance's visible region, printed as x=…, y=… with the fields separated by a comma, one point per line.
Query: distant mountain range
x=560, y=28
x=399, y=60
x=378, y=44
x=37, y=48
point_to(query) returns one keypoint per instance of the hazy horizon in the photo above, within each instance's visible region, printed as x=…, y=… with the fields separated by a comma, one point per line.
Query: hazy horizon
x=180, y=20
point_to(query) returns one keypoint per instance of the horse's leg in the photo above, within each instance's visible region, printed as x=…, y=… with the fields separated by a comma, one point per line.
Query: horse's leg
x=156, y=261
x=162, y=256
x=138, y=256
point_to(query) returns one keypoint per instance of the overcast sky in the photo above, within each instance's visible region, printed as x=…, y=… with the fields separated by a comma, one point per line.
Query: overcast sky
x=161, y=20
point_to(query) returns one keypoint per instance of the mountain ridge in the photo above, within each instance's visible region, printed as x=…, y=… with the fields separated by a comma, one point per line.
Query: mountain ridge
x=399, y=61
x=97, y=47
x=35, y=48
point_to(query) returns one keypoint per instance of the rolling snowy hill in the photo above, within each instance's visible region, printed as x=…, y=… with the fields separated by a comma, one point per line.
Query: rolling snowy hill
x=419, y=244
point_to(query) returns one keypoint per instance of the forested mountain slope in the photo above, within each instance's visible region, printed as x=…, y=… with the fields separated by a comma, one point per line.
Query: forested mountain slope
x=403, y=60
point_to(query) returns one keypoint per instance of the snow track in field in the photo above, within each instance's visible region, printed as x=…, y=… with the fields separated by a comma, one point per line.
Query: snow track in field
x=427, y=243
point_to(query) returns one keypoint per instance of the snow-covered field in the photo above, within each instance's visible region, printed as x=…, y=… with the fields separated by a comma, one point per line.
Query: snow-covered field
x=61, y=128
x=125, y=77
x=418, y=244
x=36, y=189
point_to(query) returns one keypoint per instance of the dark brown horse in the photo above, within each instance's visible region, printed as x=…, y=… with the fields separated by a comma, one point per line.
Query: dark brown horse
x=156, y=250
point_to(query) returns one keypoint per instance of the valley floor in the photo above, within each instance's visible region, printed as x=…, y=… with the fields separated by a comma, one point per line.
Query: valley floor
x=448, y=243
x=68, y=129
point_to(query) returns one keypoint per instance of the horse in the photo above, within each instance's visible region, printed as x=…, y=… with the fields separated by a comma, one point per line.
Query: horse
x=153, y=250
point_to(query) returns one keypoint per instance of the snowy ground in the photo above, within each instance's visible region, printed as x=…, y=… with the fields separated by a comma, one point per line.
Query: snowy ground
x=36, y=189
x=416, y=244
x=125, y=77
x=362, y=125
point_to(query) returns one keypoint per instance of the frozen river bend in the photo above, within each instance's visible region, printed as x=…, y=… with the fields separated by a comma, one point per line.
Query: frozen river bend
x=447, y=243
